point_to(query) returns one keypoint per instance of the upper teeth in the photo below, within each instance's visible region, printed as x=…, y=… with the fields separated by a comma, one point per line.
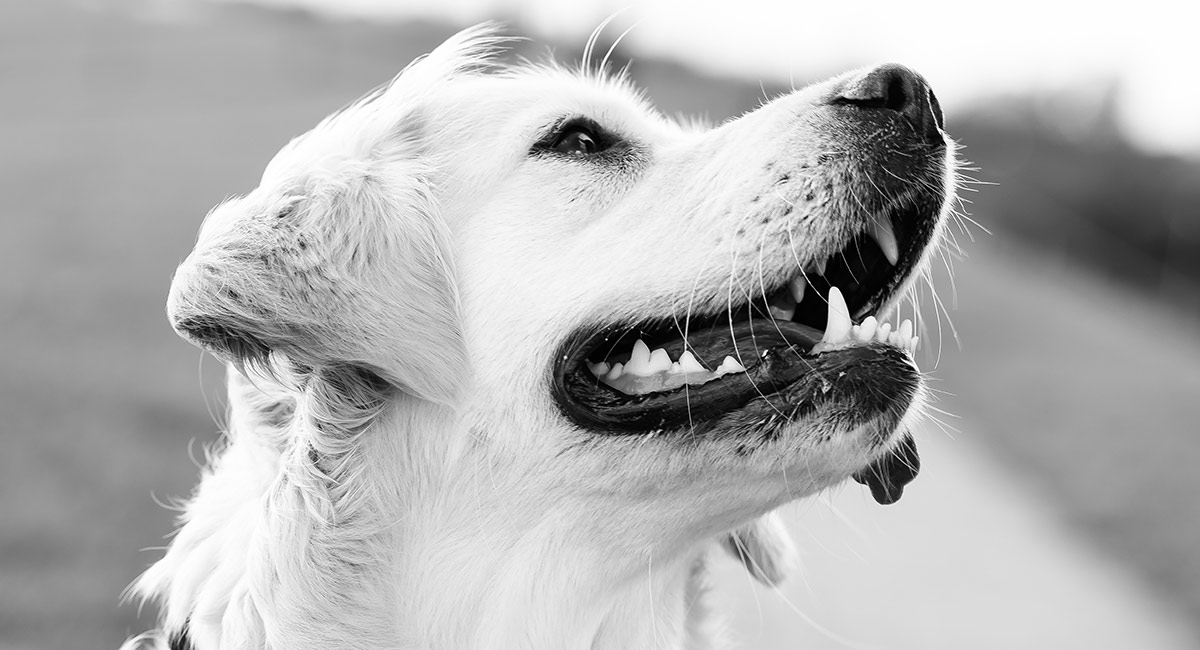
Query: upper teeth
x=882, y=233
x=797, y=287
x=820, y=264
x=880, y=230
x=649, y=371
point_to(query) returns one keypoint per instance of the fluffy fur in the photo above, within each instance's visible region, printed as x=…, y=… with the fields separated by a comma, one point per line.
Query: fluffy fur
x=394, y=473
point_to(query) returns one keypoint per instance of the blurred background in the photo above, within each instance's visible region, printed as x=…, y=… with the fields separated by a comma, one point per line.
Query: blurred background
x=1058, y=508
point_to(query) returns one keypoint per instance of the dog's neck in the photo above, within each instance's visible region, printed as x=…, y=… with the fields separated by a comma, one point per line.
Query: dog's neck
x=487, y=560
x=277, y=554
x=532, y=594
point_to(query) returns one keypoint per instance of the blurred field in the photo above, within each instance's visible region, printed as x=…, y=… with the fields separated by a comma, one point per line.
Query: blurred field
x=120, y=129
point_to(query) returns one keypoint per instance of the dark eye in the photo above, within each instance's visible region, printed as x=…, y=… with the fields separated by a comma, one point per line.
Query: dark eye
x=578, y=141
x=577, y=137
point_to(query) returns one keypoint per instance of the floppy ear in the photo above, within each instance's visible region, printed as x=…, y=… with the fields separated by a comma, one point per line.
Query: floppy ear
x=352, y=274
x=764, y=547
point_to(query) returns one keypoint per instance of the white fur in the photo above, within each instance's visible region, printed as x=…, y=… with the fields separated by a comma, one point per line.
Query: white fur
x=449, y=505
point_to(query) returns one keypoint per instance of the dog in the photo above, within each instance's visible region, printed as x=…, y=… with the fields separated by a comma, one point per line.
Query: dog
x=510, y=354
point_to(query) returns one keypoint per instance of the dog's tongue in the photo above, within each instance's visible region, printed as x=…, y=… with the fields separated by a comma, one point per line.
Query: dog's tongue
x=887, y=476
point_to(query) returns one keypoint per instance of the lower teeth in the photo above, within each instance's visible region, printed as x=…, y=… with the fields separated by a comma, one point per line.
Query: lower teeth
x=644, y=373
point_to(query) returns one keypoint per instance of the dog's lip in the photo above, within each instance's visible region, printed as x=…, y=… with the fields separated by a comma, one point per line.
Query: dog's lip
x=790, y=383
x=890, y=473
x=779, y=360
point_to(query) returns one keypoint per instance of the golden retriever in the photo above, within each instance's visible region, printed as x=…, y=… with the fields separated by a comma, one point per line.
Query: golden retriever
x=511, y=353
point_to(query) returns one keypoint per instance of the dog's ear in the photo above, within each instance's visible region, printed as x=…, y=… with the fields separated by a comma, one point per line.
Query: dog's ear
x=353, y=274
x=764, y=547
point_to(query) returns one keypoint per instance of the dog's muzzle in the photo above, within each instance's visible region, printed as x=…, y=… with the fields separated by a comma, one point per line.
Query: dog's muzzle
x=811, y=344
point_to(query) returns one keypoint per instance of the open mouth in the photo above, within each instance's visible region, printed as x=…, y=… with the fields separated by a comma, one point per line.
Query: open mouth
x=810, y=315
x=766, y=356
x=667, y=373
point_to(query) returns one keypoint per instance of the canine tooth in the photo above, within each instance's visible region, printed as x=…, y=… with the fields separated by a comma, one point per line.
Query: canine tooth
x=660, y=361
x=688, y=362
x=906, y=329
x=881, y=334
x=730, y=365
x=866, y=331
x=616, y=371
x=639, y=360
x=799, y=284
x=885, y=236
x=837, y=328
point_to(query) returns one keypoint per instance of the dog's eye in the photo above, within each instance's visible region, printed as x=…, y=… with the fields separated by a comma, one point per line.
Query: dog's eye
x=577, y=137
x=577, y=142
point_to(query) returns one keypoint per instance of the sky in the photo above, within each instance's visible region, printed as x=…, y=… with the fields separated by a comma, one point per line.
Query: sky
x=969, y=51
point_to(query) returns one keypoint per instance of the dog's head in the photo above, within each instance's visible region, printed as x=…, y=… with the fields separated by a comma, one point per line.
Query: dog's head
x=647, y=334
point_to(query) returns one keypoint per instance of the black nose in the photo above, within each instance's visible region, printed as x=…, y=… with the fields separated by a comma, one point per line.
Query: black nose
x=893, y=87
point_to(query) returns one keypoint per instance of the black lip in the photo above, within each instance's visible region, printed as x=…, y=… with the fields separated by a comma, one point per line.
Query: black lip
x=890, y=473
x=877, y=377
x=593, y=404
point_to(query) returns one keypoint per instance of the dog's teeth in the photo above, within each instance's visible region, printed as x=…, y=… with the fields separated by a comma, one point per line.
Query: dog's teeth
x=906, y=329
x=881, y=334
x=837, y=328
x=866, y=331
x=797, y=286
x=882, y=233
x=675, y=369
x=912, y=344
x=660, y=361
x=821, y=264
x=599, y=369
x=782, y=313
x=639, y=360
x=616, y=371
x=728, y=366
x=782, y=306
x=688, y=363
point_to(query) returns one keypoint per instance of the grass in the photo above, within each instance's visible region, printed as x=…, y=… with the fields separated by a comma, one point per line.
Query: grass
x=128, y=127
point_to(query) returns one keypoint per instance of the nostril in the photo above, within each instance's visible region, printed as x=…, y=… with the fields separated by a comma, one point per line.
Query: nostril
x=896, y=96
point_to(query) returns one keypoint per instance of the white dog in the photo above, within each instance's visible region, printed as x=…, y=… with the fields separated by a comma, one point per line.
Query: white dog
x=514, y=353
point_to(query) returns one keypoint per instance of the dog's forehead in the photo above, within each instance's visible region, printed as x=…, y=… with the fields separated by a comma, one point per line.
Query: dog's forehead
x=544, y=94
